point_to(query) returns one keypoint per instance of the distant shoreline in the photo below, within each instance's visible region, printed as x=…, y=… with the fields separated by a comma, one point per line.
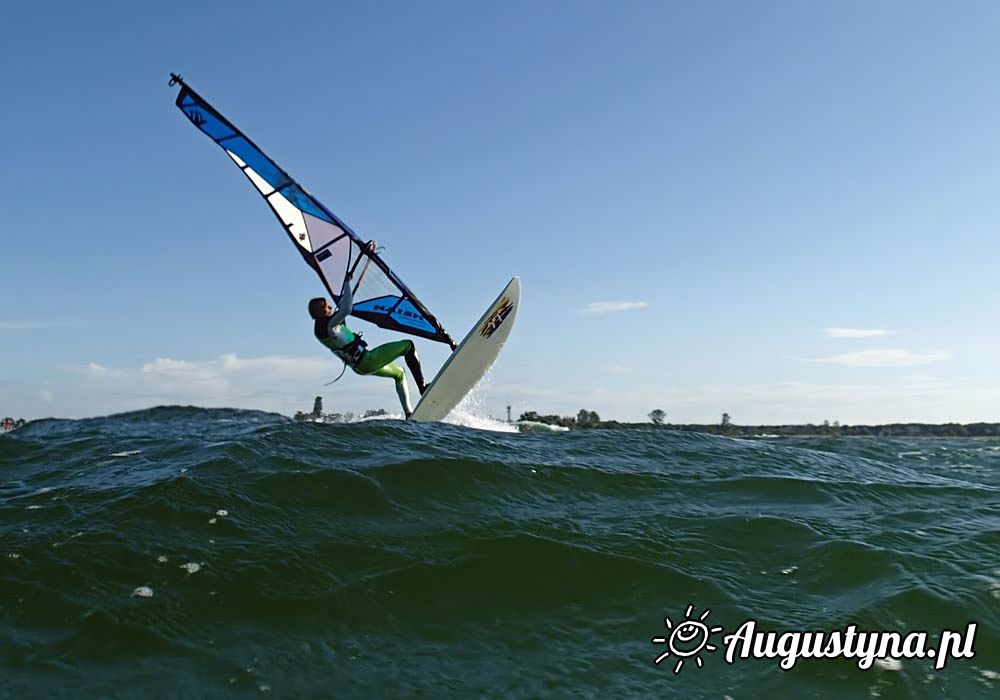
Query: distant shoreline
x=907, y=430
x=593, y=422
x=903, y=430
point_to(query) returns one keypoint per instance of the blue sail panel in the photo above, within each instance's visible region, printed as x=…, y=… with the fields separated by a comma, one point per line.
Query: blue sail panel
x=404, y=313
x=298, y=197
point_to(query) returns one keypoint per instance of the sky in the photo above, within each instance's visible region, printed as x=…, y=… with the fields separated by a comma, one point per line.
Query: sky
x=784, y=211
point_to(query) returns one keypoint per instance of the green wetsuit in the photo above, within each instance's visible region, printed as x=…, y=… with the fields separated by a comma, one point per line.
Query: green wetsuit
x=348, y=346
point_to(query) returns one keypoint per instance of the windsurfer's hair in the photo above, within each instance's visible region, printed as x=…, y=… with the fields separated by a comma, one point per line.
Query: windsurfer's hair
x=316, y=307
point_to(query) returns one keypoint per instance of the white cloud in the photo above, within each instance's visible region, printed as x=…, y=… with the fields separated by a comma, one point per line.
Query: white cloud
x=924, y=379
x=277, y=365
x=855, y=332
x=605, y=307
x=275, y=383
x=288, y=384
x=229, y=365
x=884, y=358
x=165, y=365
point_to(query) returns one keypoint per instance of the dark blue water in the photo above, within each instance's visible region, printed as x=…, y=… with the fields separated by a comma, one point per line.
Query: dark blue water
x=182, y=552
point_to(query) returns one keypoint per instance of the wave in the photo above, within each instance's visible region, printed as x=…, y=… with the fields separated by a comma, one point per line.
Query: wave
x=382, y=538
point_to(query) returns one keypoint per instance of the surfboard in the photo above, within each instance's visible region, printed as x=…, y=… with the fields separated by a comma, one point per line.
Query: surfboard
x=473, y=357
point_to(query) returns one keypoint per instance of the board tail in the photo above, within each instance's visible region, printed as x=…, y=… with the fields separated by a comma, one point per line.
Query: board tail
x=475, y=355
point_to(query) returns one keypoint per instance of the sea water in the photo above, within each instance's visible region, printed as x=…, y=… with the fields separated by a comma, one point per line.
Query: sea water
x=183, y=552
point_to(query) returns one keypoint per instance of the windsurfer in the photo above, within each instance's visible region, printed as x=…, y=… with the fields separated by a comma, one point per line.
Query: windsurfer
x=330, y=329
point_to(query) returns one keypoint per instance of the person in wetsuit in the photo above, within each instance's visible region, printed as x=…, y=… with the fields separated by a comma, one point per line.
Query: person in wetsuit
x=330, y=329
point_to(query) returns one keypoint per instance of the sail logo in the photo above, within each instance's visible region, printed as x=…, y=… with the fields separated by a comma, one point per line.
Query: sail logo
x=396, y=310
x=496, y=318
x=196, y=117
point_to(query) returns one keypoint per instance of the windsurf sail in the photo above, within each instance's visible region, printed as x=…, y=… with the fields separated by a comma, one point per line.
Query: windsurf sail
x=325, y=242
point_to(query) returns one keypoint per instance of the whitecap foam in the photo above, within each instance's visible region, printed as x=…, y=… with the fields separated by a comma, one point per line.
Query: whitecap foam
x=471, y=412
x=888, y=664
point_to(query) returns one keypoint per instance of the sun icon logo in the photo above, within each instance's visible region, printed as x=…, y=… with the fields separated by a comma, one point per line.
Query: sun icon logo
x=687, y=638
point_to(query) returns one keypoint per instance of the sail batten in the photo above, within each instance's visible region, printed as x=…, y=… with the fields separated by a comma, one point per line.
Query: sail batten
x=327, y=244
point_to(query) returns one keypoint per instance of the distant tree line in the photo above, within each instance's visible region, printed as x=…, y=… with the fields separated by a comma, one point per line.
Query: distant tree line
x=657, y=417
x=318, y=415
x=583, y=419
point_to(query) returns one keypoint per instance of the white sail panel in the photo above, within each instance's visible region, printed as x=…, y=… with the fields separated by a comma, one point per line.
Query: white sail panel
x=321, y=232
x=333, y=261
x=235, y=158
x=291, y=216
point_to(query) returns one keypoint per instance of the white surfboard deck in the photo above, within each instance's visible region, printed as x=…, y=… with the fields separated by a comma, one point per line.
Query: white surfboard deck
x=472, y=358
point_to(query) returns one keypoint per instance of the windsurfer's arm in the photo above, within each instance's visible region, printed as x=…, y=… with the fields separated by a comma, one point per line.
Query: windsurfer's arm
x=345, y=306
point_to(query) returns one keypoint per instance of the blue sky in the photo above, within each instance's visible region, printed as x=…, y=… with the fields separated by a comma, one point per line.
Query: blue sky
x=718, y=183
